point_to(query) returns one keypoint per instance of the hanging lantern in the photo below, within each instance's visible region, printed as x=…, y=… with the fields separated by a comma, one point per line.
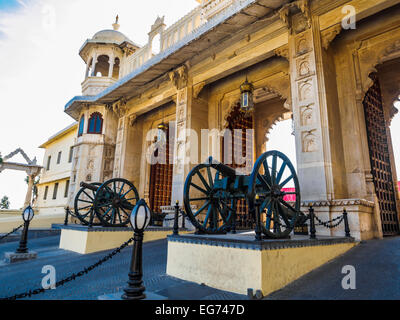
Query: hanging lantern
x=162, y=133
x=246, y=96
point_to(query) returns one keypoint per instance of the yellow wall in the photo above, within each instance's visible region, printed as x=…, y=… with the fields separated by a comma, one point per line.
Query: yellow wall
x=236, y=270
x=58, y=173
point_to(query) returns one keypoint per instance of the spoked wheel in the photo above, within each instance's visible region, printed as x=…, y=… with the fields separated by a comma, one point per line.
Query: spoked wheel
x=207, y=206
x=83, y=206
x=114, y=202
x=272, y=172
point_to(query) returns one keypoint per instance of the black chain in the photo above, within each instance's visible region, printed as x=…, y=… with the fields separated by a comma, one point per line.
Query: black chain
x=170, y=219
x=11, y=232
x=72, y=276
x=327, y=223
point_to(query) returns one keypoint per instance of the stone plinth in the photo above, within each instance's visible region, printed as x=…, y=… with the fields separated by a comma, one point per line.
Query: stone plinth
x=237, y=263
x=82, y=239
x=364, y=223
x=12, y=257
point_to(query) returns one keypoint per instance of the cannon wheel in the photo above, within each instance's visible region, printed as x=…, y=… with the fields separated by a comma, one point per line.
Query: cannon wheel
x=213, y=214
x=83, y=206
x=271, y=173
x=114, y=202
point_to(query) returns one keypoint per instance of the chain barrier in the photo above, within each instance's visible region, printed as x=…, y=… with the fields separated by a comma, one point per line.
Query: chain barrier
x=327, y=223
x=11, y=232
x=72, y=276
x=170, y=219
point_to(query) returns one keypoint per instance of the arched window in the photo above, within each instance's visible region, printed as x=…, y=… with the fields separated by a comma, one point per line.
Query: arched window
x=81, y=125
x=95, y=123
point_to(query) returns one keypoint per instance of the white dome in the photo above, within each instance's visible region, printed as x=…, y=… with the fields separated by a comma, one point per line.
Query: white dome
x=110, y=36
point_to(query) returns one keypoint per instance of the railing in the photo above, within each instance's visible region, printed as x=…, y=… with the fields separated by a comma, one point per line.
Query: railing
x=176, y=32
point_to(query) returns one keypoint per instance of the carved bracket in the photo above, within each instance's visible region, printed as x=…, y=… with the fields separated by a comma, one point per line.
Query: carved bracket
x=329, y=34
x=179, y=77
x=283, y=52
x=287, y=11
x=197, y=89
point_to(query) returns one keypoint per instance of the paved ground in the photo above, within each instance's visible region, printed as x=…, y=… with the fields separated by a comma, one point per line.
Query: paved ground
x=377, y=265
x=108, y=278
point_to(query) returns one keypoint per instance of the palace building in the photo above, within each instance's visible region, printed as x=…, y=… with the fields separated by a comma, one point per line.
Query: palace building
x=331, y=66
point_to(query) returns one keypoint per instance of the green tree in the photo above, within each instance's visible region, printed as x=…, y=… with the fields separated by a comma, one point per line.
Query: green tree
x=4, y=203
x=1, y=159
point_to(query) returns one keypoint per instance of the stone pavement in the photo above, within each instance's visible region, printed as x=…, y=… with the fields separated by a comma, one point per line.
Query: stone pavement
x=110, y=277
x=377, y=265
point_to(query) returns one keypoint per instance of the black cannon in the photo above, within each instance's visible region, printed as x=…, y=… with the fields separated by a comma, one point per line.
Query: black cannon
x=108, y=204
x=212, y=191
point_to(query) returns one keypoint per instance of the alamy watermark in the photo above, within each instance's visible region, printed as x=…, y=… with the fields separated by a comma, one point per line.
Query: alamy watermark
x=49, y=280
x=349, y=280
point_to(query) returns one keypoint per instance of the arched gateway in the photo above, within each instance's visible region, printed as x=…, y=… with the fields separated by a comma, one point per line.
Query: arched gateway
x=300, y=61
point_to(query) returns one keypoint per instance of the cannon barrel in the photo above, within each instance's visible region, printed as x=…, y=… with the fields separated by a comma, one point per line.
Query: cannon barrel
x=89, y=186
x=226, y=171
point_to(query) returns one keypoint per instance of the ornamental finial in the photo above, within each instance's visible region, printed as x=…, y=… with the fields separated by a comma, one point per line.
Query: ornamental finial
x=116, y=25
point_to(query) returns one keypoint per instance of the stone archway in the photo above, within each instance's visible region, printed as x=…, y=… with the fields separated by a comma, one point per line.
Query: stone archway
x=31, y=168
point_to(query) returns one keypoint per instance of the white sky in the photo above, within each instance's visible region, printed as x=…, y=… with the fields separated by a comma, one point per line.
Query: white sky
x=40, y=69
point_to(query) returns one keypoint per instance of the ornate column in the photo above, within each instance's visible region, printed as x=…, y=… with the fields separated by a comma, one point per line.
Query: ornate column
x=120, y=110
x=309, y=105
x=179, y=77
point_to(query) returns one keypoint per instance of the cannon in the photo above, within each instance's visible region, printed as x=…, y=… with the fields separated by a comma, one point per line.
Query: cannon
x=108, y=204
x=212, y=191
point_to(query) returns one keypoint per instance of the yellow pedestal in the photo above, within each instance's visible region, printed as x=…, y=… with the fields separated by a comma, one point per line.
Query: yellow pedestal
x=88, y=240
x=237, y=263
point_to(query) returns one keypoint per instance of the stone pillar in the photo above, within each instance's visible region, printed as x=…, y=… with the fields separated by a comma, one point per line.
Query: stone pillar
x=314, y=146
x=111, y=68
x=28, y=198
x=94, y=65
x=181, y=145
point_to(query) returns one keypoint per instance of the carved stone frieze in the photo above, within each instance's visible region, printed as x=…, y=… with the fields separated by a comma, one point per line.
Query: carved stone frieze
x=329, y=34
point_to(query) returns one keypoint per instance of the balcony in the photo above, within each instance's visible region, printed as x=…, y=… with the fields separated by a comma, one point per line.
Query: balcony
x=94, y=85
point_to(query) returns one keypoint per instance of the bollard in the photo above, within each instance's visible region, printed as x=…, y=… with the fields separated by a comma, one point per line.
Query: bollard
x=176, y=219
x=27, y=216
x=258, y=219
x=66, y=216
x=183, y=219
x=312, y=223
x=140, y=219
x=346, y=223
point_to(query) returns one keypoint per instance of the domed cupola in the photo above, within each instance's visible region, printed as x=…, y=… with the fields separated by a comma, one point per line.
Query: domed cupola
x=104, y=55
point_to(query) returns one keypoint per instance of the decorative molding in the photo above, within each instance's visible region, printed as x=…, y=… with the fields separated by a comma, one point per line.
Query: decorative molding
x=329, y=34
x=248, y=242
x=339, y=203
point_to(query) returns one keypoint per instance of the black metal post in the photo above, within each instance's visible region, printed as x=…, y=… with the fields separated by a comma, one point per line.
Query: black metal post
x=176, y=220
x=135, y=289
x=258, y=220
x=312, y=223
x=346, y=223
x=66, y=216
x=23, y=248
x=183, y=219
